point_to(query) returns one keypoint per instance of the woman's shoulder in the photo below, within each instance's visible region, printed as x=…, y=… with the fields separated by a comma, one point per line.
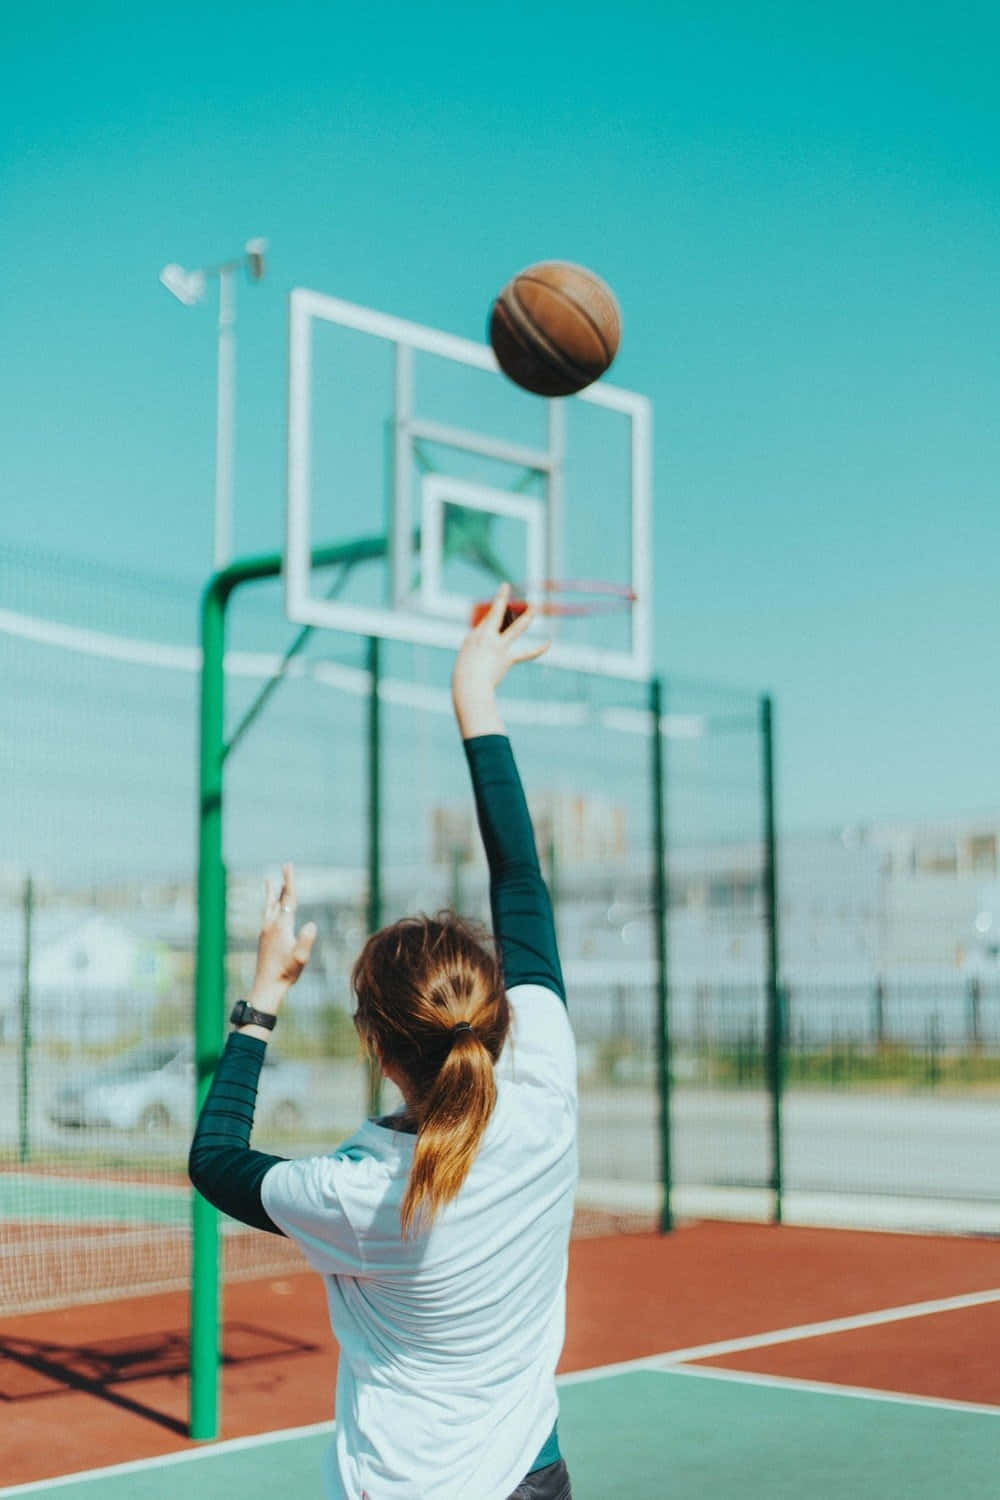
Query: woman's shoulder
x=540, y=1048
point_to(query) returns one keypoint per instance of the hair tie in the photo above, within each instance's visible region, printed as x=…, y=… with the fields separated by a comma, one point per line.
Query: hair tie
x=462, y=1026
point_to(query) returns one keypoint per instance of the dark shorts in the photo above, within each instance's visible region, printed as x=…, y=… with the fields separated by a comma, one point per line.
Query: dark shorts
x=550, y=1483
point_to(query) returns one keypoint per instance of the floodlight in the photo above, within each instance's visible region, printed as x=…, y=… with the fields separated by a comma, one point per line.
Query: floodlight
x=187, y=286
x=255, y=249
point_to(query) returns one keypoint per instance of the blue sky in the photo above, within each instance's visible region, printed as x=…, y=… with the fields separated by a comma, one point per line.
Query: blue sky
x=797, y=207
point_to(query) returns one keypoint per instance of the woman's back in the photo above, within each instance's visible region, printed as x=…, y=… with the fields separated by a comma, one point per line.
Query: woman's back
x=451, y=1336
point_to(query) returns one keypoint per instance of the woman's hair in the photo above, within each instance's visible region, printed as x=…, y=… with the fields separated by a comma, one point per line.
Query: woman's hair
x=415, y=982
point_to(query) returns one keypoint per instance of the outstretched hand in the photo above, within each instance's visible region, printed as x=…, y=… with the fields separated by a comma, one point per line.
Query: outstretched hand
x=486, y=656
x=282, y=953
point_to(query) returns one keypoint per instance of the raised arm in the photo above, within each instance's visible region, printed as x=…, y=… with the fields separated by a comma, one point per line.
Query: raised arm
x=221, y=1164
x=522, y=910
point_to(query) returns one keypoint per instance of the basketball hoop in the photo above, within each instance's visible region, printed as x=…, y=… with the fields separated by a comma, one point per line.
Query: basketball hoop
x=601, y=598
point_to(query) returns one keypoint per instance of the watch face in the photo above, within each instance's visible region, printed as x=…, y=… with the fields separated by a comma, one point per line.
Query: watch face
x=244, y=1014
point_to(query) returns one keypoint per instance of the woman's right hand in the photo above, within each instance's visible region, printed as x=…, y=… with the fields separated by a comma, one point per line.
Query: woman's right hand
x=486, y=656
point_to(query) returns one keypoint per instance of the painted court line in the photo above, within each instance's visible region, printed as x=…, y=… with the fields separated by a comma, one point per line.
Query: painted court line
x=787, y=1335
x=827, y=1388
x=164, y=1460
x=674, y=1361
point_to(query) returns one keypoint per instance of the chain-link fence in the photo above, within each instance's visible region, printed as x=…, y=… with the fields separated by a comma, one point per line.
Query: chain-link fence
x=98, y=901
x=890, y=1081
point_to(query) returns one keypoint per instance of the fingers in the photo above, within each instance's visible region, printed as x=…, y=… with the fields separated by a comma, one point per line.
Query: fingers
x=521, y=623
x=519, y=627
x=304, y=944
x=299, y=956
x=493, y=618
x=284, y=903
x=490, y=650
x=531, y=653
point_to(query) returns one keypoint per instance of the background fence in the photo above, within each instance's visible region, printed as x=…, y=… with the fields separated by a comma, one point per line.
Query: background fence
x=890, y=1080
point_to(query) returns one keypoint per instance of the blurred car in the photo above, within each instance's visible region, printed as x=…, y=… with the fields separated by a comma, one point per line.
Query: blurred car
x=151, y=1089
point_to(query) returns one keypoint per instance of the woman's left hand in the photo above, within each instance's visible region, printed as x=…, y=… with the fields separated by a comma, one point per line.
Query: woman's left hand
x=281, y=953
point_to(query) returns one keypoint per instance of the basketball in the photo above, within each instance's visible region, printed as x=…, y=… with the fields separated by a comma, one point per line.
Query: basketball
x=555, y=328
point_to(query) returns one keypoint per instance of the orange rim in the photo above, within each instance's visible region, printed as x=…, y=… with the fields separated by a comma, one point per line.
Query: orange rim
x=611, y=598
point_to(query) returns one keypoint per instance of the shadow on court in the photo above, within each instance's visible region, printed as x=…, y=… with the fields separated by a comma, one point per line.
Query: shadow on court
x=670, y=1435
x=34, y=1369
x=87, y=1386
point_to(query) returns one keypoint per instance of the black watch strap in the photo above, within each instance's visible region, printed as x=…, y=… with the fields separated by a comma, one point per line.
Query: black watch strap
x=243, y=1014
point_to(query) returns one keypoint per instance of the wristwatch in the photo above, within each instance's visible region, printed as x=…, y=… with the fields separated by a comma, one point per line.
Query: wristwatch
x=243, y=1014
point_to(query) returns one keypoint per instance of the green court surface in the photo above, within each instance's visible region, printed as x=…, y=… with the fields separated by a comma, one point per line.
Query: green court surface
x=693, y=1434
x=81, y=1200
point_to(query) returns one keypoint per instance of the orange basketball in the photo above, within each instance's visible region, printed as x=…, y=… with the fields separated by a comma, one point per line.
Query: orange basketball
x=555, y=328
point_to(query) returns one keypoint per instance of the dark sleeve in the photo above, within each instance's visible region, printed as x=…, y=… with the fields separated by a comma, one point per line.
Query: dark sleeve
x=519, y=900
x=221, y=1164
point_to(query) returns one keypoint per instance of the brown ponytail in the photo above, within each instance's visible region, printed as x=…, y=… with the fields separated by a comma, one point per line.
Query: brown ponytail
x=415, y=982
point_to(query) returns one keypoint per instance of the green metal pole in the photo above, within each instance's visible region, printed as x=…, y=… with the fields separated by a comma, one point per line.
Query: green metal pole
x=660, y=911
x=374, y=838
x=210, y=988
x=775, y=1009
x=24, y=1090
x=210, y=979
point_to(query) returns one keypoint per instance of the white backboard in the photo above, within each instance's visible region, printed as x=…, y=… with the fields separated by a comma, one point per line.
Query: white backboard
x=404, y=431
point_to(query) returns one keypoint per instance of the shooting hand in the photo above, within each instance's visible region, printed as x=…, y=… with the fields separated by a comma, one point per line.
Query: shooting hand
x=281, y=953
x=486, y=656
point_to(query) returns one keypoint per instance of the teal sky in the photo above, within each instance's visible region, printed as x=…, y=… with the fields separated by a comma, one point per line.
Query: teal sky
x=796, y=205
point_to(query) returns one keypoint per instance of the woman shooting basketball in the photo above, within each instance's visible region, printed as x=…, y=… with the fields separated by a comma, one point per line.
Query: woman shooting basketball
x=441, y=1231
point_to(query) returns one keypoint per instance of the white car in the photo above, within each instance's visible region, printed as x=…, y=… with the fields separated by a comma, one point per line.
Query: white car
x=151, y=1089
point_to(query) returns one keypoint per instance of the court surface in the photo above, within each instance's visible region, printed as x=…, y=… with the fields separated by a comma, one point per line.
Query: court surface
x=725, y=1360
x=645, y=1433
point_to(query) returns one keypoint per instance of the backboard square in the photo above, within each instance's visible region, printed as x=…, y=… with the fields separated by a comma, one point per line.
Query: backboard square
x=441, y=490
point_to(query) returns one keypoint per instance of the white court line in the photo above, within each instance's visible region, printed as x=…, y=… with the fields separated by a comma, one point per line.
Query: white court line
x=788, y=1335
x=829, y=1388
x=163, y=1460
x=668, y=1362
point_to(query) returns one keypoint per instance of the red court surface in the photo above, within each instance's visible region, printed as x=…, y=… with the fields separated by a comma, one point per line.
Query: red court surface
x=105, y=1383
x=948, y=1356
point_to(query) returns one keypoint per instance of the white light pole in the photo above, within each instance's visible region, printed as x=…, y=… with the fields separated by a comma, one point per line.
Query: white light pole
x=189, y=287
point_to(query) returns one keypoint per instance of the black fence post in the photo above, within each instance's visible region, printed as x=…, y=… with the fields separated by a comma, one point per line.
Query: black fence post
x=374, y=908
x=661, y=909
x=24, y=1081
x=775, y=1019
x=974, y=998
x=878, y=1017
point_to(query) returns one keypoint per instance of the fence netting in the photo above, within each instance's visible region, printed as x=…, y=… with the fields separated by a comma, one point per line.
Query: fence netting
x=888, y=1077
x=98, y=904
